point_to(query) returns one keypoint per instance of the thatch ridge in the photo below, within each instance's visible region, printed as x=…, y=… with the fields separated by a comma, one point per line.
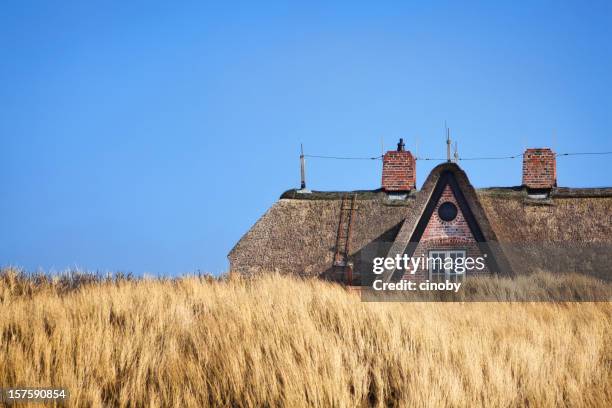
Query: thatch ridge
x=379, y=194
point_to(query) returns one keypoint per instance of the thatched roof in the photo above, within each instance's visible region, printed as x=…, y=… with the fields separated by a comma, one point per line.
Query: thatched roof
x=297, y=235
x=580, y=215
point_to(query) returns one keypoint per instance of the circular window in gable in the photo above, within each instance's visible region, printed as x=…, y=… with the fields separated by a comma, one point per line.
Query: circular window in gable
x=447, y=211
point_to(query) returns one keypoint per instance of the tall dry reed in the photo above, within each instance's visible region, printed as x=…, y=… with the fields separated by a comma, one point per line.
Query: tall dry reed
x=278, y=341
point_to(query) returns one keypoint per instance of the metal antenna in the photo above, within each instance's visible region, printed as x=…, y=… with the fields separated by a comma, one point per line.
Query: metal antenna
x=456, y=155
x=302, y=167
x=448, y=145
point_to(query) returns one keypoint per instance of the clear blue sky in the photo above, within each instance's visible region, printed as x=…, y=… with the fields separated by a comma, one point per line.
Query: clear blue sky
x=148, y=138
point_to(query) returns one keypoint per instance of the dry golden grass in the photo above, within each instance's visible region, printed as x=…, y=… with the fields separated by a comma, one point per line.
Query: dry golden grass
x=277, y=341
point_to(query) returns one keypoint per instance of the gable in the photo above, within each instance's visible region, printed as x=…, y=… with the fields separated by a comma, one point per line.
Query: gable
x=445, y=181
x=447, y=188
x=439, y=229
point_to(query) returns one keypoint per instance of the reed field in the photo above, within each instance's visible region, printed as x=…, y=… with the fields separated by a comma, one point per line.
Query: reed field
x=281, y=341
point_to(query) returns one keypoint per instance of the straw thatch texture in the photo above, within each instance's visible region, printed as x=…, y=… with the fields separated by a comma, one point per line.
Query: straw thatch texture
x=298, y=236
x=561, y=219
x=566, y=233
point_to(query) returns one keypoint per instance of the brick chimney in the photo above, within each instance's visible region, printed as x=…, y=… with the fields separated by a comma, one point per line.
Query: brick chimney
x=399, y=170
x=539, y=169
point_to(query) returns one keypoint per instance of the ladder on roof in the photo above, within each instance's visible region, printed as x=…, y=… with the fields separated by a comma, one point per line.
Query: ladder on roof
x=345, y=227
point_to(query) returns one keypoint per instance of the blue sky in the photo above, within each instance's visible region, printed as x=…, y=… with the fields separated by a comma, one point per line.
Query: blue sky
x=148, y=138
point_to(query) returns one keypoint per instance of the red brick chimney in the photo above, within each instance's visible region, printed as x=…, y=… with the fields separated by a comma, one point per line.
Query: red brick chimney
x=539, y=168
x=399, y=170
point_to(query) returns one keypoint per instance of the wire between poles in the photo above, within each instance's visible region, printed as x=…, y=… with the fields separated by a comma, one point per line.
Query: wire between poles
x=582, y=154
x=342, y=158
x=460, y=158
x=492, y=158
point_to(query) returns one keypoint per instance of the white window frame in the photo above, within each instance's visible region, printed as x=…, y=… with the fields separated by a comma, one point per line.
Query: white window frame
x=449, y=274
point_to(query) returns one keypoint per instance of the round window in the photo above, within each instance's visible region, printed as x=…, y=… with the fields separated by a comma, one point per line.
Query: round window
x=447, y=211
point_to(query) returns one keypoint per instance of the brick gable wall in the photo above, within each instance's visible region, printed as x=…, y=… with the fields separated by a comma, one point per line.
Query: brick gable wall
x=440, y=235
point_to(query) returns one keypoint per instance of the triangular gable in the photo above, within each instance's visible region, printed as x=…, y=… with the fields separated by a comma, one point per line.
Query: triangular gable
x=441, y=177
x=447, y=180
x=456, y=230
